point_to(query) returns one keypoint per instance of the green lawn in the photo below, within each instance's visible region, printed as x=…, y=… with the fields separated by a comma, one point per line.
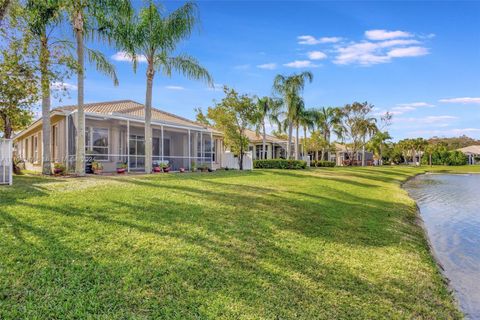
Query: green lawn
x=313, y=244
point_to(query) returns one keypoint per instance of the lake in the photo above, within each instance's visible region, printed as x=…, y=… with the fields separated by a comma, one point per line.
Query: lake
x=450, y=208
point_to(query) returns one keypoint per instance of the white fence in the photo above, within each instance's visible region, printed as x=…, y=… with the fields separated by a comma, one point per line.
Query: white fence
x=6, y=153
x=229, y=160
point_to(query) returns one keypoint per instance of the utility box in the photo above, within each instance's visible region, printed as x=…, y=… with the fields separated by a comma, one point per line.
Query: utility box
x=6, y=166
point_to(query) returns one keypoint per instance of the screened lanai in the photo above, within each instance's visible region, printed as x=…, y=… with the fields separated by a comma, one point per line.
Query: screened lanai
x=114, y=141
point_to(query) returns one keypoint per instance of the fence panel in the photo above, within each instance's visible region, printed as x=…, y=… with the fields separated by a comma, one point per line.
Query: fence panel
x=230, y=161
x=6, y=153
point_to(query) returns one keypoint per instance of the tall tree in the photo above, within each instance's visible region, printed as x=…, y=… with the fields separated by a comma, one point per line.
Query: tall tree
x=91, y=18
x=378, y=143
x=156, y=37
x=290, y=89
x=233, y=115
x=306, y=120
x=355, y=125
x=44, y=16
x=327, y=120
x=267, y=108
x=19, y=83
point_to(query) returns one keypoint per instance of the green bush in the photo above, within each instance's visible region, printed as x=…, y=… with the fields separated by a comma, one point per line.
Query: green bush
x=322, y=163
x=445, y=158
x=279, y=164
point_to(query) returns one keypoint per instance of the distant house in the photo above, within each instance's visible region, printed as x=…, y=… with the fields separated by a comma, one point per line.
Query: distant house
x=115, y=134
x=343, y=156
x=472, y=152
x=275, y=147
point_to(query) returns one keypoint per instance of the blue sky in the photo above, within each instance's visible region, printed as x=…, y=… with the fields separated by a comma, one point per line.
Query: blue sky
x=419, y=60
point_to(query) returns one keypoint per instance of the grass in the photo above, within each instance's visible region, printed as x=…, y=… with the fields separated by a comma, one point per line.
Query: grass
x=325, y=243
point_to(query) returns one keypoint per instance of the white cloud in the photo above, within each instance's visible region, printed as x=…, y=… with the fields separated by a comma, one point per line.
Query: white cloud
x=381, y=34
x=438, y=121
x=175, y=88
x=416, y=104
x=369, y=53
x=316, y=55
x=268, y=66
x=63, y=86
x=123, y=56
x=300, y=64
x=311, y=40
x=464, y=100
x=408, y=52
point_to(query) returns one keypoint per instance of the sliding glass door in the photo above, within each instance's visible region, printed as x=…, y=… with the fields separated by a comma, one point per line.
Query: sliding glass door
x=137, y=152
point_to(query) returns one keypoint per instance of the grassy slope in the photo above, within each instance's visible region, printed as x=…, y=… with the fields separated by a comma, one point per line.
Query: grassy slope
x=322, y=243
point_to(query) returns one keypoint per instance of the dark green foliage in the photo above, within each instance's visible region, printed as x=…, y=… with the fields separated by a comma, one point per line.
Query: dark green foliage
x=279, y=164
x=321, y=163
x=441, y=156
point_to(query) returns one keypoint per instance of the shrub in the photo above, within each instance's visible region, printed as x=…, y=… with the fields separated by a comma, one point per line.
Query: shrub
x=322, y=163
x=279, y=164
x=446, y=158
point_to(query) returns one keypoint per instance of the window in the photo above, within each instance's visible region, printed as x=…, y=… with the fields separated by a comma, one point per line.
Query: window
x=35, y=148
x=96, y=143
x=54, y=142
x=166, y=147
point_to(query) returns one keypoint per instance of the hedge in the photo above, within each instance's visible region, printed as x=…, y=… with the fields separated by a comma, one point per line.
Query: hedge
x=446, y=158
x=321, y=163
x=279, y=164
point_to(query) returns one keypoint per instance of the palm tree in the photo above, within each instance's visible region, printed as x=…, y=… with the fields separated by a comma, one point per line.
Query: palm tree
x=42, y=16
x=368, y=127
x=290, y=88
x=377, y=144
x=327, y=120
x=267, y=108
x=91, y=17
x=155, y=37
x=306, y=119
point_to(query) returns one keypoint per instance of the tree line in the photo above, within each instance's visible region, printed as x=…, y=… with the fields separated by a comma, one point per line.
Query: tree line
x=353, y=124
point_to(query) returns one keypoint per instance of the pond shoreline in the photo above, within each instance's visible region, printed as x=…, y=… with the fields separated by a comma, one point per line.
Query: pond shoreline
x=421, y=223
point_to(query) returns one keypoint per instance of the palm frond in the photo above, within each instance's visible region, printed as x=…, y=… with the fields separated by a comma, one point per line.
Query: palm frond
x=102, y=64
x=184, y=64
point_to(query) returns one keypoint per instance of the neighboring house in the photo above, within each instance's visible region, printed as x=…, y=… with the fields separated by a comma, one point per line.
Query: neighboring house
x=115, y=134
x=343, y=156
x=472, y=152
x=275, y=147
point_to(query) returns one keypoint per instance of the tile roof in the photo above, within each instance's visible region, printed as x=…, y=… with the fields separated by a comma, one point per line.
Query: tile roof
x=254, y=137
x=130, y=108
x=471, y=149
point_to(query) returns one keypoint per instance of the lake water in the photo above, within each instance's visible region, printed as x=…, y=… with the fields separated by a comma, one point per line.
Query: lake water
x=450, y=207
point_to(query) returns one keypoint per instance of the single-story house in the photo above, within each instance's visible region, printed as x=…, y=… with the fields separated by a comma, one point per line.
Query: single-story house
x=115, y=134
x=343, y=156
x=275, y=147
x=472, y=152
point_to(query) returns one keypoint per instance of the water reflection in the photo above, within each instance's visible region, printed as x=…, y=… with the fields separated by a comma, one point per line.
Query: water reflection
x=450, y=207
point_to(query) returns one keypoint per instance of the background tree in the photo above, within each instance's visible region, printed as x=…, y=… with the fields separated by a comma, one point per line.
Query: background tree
x=378, y=143
x=290, y=89
x=327, y=120
x=267, y=108
x=156, y=37
x=306, y=120
x=355, y=123
x=233, y=115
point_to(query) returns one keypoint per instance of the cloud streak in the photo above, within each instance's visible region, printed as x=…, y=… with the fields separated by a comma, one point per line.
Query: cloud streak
x=301, y=64
x=382, y=34
x=464, y=100
x=311, y=40
x=267, y=66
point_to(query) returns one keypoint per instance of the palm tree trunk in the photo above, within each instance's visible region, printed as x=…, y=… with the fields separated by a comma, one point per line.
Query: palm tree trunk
x=328, y=150
x=148, y=117
x=264, y=142
x=289, y=145
x=45, y=85
x=296, y=142
x=304, y=140
x=316, y=155
x=80, y=152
